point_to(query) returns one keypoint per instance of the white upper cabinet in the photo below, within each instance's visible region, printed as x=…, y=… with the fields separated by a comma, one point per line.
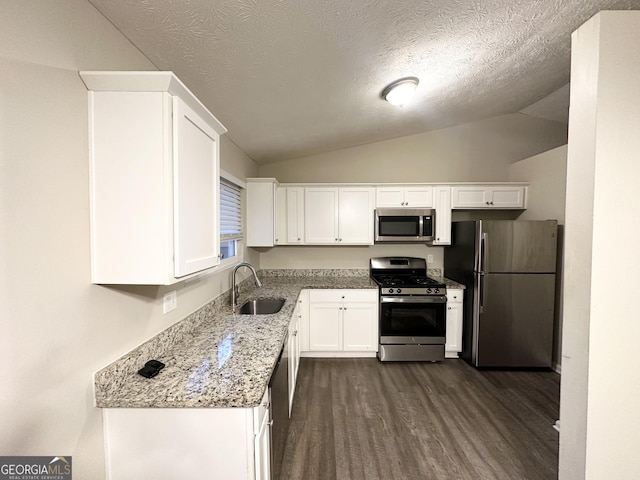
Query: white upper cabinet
x=321, y=215
x=416, y=196
x=295, y=215
x=290, y=216
x=262, y=214
x=341, y=215
x=488, y=196
x=443, y=215
x=154, y=179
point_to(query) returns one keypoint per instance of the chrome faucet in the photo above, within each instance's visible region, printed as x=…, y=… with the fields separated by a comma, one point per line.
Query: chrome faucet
x=234, y=288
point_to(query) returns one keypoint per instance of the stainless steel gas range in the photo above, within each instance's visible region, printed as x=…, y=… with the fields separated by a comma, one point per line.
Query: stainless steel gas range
x=412, y=318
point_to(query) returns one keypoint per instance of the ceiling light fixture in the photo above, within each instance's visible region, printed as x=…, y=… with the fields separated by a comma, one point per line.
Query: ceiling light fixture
x=400, y=92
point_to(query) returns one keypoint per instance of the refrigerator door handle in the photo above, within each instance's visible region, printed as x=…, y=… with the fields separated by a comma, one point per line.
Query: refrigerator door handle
x=484, y=248
x=481, y=291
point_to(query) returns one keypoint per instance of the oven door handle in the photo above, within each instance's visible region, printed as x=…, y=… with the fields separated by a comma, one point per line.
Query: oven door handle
x=410, y=299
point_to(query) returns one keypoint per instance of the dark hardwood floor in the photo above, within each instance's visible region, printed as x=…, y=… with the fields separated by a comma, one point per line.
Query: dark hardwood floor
x=358, y=419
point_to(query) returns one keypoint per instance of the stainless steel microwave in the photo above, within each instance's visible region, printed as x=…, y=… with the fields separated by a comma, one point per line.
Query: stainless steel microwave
x=404, y=225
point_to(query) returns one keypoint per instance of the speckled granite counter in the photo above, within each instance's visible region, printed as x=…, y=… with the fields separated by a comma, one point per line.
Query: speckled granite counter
x=450, y=283
x=215, y=358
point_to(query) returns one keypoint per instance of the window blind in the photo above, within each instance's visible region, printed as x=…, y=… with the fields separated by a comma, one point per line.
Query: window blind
x=230, y=211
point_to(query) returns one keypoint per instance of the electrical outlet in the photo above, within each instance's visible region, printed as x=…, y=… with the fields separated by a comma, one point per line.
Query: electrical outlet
x=170, y=301
x=429, y=258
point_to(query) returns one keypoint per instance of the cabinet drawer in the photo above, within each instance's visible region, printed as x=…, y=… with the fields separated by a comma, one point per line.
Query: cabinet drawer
x=261, y=412
x=343, y=295
x=454, y=296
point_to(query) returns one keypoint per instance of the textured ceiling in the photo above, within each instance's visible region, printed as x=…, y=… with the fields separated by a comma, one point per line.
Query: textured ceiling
x=291, y=78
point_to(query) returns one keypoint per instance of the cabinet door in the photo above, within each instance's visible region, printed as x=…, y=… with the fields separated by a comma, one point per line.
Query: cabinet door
x=453, y=343
x=471, y=196
x=355, y=216
x=321, y=215
x=196, y=191
x=303, y=327
x=261, y=212
x=389, y=197
x=443, y=215
x=293, y=347
x=262, y=451
x=360, y=322
x=281, y=216
x=507, y=197
x=418, y=197
x=325, y=322
x=295, y=215
x=488, y=196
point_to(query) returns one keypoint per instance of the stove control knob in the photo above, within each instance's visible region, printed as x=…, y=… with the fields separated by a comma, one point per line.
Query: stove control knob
x=398, y=290
x=391, y=290
x=428, y=290
x=436, y=290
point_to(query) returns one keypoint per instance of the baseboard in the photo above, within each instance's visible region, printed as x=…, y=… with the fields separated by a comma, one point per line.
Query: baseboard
x=338, y=354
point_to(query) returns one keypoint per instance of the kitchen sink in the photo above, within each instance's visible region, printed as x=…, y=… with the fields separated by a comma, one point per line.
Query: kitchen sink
x=262, y=306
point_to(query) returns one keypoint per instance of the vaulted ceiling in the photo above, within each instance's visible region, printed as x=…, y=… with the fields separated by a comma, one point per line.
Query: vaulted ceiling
x=291, y=78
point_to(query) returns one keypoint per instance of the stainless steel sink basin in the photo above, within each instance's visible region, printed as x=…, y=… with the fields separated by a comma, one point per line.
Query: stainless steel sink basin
x=262, y=306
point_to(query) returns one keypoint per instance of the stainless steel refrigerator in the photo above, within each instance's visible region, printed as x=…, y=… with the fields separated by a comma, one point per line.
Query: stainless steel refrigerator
x=508, y=268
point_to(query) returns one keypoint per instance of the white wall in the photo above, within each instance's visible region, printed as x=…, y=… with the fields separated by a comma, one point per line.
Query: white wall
x=478, y=151
x=547, y=177
x=56, y=328
x=342, y=257
x=600, y=389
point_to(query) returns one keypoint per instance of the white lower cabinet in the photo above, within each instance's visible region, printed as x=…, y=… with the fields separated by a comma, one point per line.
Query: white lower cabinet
x=262, y=444
x=453, y=345
x=293, y=350
x=193, y=443
x=343, y=323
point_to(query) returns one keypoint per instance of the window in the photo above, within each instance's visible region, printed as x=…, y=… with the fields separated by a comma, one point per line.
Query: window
x=230, y=219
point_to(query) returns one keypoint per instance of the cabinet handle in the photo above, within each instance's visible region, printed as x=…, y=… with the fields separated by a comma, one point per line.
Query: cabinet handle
x=298, y=238
x=336, y=239
x=448, y=308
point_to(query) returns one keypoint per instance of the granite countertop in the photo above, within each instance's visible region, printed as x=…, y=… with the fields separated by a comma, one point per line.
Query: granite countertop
x=215, y=358
x=450, y=283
